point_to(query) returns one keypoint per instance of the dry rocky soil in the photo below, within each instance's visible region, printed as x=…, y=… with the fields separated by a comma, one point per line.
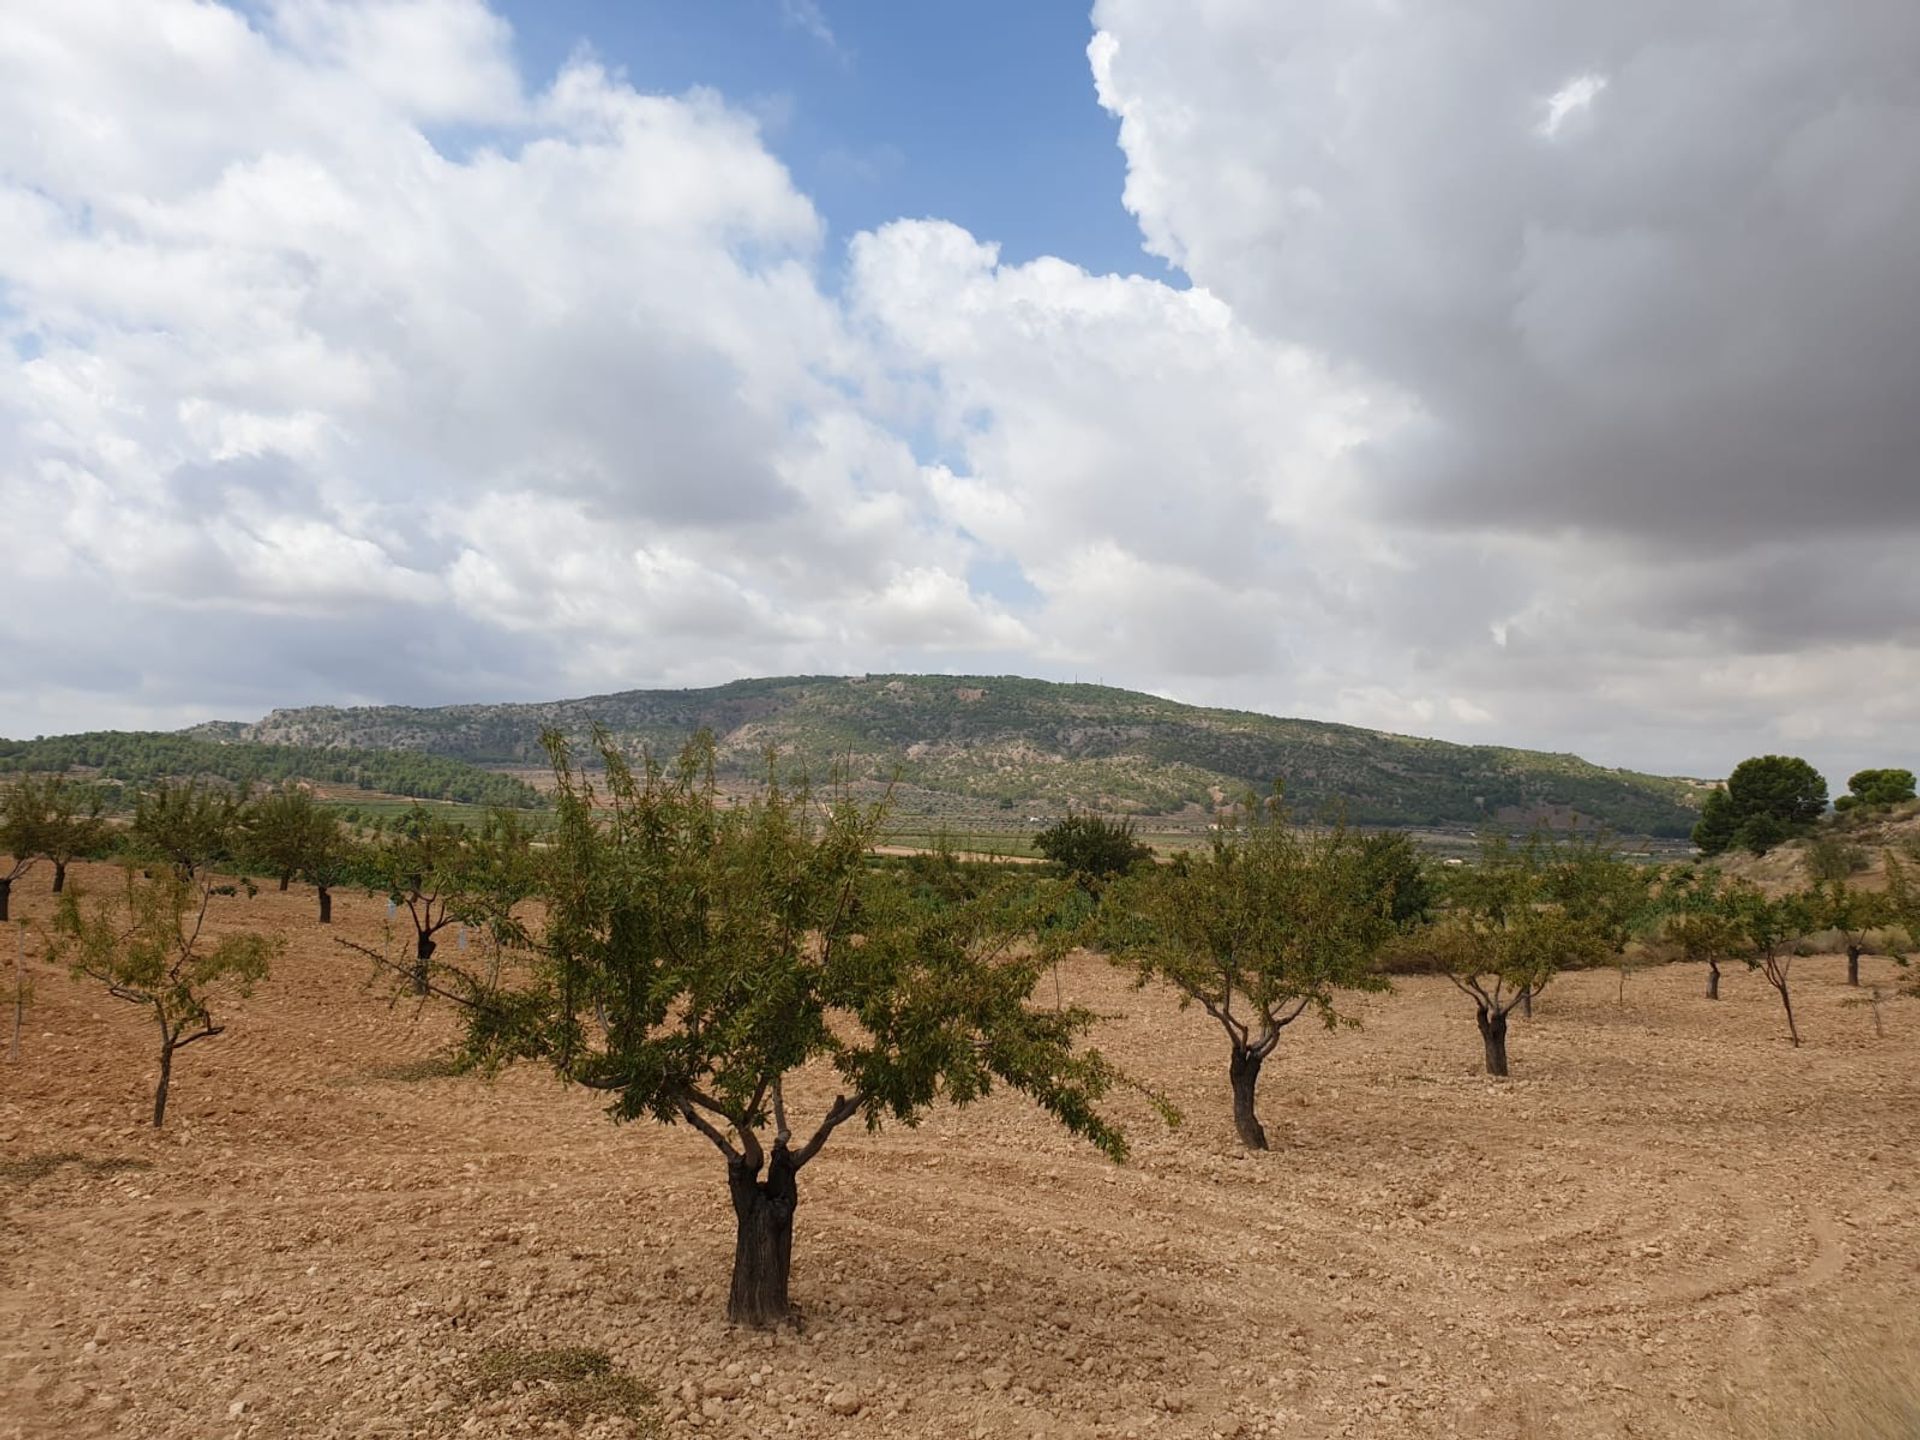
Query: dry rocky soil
x=1666, y=1222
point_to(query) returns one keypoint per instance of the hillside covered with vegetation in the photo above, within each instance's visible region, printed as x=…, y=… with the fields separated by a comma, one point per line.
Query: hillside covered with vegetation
x=1037, y=745
x=136, y=757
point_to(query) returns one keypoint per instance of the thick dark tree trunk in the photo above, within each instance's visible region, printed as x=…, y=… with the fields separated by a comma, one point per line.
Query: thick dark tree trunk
x=284, y=879
x=1853, y=964
x=1526, y=1002
x=1713, y=980
x=422, y=953
x=326, y=904
x=166, y=1080
x=763, y=1239
x=1493, y=1034
x=6, y=895
x=1244, y=1071
x=59, y=876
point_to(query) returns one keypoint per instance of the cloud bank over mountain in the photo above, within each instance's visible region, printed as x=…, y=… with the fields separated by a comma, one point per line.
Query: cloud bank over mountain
x=1544, y=376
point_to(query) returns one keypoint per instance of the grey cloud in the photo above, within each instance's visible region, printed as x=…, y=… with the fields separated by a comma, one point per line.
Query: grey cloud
x=1692, y=311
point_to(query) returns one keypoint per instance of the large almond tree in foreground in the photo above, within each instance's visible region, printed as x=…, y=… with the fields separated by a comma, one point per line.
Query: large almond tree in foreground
x=697, y=954
x=1271, y=923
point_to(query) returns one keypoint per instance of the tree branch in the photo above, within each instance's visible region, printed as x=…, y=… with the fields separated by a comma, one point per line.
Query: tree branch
x=708, y=1129
x=839, y=1112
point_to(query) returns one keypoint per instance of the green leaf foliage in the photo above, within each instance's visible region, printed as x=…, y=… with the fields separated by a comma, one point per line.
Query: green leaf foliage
x=139, y=758
x=1092, y=848
x=147, y=944
x=696, y=953
x=1766, y=800
x=1268, y=923
x=1876, y=790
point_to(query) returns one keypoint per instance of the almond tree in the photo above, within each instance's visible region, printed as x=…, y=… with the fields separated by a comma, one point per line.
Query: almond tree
x=696, y=955
x=443, y=873
x=1269, y=924
x=147, y=945
x=1511, y=927
x=1701, y=922
x=330, y=854
x=1768, y=927
x=1855, y=913
x=74, y=825
x=278, y=829
x=187, y=824
x=22, y=828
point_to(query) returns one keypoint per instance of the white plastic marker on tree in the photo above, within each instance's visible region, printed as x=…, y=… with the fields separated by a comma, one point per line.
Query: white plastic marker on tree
x=463, y=939
x=391, y=907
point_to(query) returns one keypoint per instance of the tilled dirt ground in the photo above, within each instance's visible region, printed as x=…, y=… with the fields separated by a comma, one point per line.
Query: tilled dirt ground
x=1666, y=1216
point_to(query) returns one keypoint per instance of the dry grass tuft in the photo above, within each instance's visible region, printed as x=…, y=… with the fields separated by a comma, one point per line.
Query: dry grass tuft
x=572, y=1384
x=425, y=1067
x=29, y=1168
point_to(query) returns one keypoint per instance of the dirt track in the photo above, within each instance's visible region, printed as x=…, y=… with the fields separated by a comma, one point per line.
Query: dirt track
x=1640, y=1227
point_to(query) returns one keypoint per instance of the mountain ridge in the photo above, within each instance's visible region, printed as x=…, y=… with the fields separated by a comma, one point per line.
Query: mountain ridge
x=1020, y=744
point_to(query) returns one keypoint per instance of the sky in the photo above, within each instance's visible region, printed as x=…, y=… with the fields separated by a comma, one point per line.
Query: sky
x=1510, y=371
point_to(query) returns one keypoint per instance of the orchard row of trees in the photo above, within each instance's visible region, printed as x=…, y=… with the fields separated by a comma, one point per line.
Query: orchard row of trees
x=693, y=956
x=1772, y=798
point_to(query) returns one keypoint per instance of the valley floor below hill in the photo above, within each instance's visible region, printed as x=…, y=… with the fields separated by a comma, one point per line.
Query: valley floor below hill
x=1669, y=1223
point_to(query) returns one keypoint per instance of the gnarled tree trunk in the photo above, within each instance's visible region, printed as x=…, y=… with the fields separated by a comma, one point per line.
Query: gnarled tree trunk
x=6, y=895
x=326, y=904
x=1493, y=1035
x=1853, y=964
x=1526, y=1002
x=59, y=876
x=1244, y=1071
x=1713, y=980
x=763, y=1239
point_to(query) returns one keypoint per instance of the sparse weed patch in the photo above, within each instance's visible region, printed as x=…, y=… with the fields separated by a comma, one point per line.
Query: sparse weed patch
x=423, y=1067
x=571, y=1383
x=29, y=1168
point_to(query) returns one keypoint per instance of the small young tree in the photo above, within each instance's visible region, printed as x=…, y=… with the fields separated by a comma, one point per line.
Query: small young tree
x=278, y=829
x=444, y=873
x=148, y=946
x=330, y=855
x=1091, y=848
x=1394, y=869
x=1506, y=935
x=696, y=955
x=1854, y=913
x=1700, y=921
x=1268, y=924
x=74, y=825
x=1590, y=881
x=22, y=835
x=187, y=824
x=1768, y=926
